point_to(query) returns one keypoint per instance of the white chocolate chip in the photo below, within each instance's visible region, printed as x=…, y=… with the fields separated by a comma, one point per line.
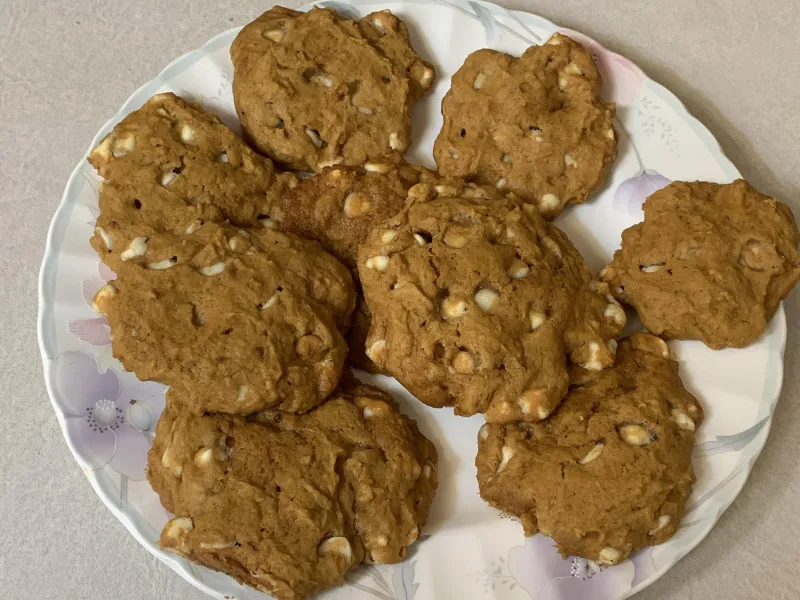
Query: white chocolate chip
x=364, y=110
x=454, y=154
x=537, y=319
x=502, y=184
x=368, y=413
x=518, y=269
x=426, y=78
x=162, y=264
x=356, y=204
x=506, y=158
x=612, y=345
x=446, y=190
x=609, y=556
x=316, y=140
x=269, y=302
x=593, y=454
x=187, y=133
x=203, y=457
x=381, y=541
x=665, y=353
x=635, y=435
x=395, y=143
x=267, y=222
x=484, y=432
x=570, y=161
x=663, y=521
x=136, y=248
x=562, y=82
x=166, y=178
x=322, y=79
x=388, y=235
x=419, y=239
x=336, y=545
x=614, y=312
x=124, y=145
x=593, y=364
x=682, y=420
x=652, y=268
x=480, y=79
x=178, y=527
x=193, y=226
x=454, y=308
x=573, y=69
x=555, y=40
x=549, y=202
x=222, y=157
x=242, y=393
x=454, y=238
x=210, y=270
x=379, y=263
x=375, y=349
x=463, y=363
x=217, y=545
x=168, y=461
x=508, y=453
x=485, y=299
x=275, y=35
x=426, y=471
x=104, y=236
x=377, y=167
x=103, y=294
x=378, y=24
x=610, y=133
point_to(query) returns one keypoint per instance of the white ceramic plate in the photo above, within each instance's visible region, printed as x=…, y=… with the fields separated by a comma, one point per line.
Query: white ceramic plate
x=107, y=415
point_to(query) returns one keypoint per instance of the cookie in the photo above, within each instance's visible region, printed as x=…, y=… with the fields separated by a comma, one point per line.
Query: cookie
x=169, y=167
x=611, y=470
x=710, y=262
x=534, y=125
x=289, y=504
x=315, y=89
x=478, y=303
x=338, y=207
x=241, y=321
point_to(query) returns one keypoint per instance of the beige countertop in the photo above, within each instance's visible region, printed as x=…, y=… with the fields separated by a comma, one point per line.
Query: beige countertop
x=67, y=66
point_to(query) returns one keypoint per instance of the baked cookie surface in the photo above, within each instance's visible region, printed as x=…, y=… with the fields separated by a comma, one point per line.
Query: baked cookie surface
x=478, y=303
x=610, y=471
x=289, y=504
x=169, y=167
x=534, y=125
x=241, y=321
x=316, y=89
x=710, y=262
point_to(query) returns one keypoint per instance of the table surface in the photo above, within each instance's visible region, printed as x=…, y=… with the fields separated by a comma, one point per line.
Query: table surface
x=67, y=66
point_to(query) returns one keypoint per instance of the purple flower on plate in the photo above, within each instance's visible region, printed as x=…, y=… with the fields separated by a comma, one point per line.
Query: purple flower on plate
x=632, y=193
x=110, y=417
x=621, y=78
x=93, y=331
x=546, y=575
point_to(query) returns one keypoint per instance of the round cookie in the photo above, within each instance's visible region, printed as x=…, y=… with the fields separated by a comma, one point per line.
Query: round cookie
x=241, y=321
x=170, y=167
x=315, y=89
x=478, y=303
x=611, y=470
x=289, y=504
x=710, y=262
x=338, y=207
x=535, y=125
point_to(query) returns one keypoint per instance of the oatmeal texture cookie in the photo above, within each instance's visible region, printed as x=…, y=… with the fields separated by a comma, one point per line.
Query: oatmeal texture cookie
x=315, y=89
x=338, y=207
x=710, y=262
x=477, y=303
x=170, y=167
x=611, y=470
x=534, y=125
x=289, y=504
x=242, y=321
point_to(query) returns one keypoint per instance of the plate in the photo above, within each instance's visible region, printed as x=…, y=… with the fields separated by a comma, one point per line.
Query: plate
x=469, y=550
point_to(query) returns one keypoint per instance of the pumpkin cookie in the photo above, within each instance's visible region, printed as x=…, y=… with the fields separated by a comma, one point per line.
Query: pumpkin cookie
x=710, y=262
x=170, y=167
x=535, y=125
x=315, y=89
x=611, y=470
x=289, y=504
x=241, y=321
x=477, y=303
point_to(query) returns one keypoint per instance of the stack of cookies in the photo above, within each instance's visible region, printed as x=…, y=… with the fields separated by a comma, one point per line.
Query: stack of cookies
x=249, y=290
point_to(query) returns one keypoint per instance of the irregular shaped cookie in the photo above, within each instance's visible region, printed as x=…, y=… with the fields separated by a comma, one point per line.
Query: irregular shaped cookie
x=289, y=504
x=534, y=125
x=242, y=321
x=710, y=262
x=170, y=167
x=611, y=470
x=315, y=89
x=338, y=207
x=478, y=302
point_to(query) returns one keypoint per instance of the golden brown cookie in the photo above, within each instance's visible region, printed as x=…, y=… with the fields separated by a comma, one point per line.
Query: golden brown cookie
x=170, y=167
x=338, y=207
x=242, y=321
x=710, y=262
x=315, y=89
x=611, y=470
x=289, y=504
x=535, y=125
x=477, y=303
